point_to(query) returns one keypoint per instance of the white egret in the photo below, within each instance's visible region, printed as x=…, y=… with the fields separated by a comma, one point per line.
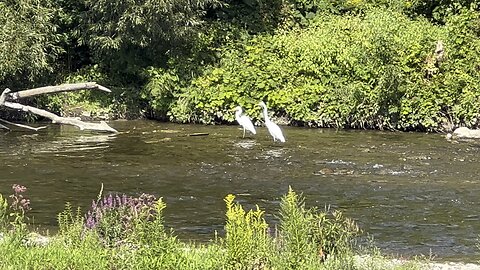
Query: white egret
x=244, y=121
x=273, y=128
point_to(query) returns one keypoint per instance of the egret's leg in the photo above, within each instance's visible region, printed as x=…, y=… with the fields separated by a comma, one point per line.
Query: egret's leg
x=243, y=133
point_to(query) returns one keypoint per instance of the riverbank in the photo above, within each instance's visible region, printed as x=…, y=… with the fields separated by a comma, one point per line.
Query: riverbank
x=453, y=266
x=123, y=232
x=37, y=246
x=365, y=262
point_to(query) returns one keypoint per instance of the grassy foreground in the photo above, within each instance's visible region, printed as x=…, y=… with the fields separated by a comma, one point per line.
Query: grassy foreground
x=121, y=232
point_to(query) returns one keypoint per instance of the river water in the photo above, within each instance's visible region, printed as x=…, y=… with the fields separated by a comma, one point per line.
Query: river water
x=414, y=193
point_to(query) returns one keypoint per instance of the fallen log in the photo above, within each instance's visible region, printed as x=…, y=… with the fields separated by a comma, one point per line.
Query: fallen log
x=56, y=89
x=102, y=126
x=7, y=95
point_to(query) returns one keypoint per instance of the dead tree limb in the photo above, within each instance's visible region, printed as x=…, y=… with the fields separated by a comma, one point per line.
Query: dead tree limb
x=102, y=126
x=8, y=95
x=57, y=89
x=3, y=97
x=21, y=126
x=4, y=127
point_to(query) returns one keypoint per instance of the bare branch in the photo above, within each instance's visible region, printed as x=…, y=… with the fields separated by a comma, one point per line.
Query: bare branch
x=4, y=127
x=21, y=126
x=102, y=126
x=4, y=96
x=56, y=89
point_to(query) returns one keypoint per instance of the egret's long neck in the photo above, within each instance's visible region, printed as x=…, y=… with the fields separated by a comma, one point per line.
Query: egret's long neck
x=238, y=113
x=265, y=114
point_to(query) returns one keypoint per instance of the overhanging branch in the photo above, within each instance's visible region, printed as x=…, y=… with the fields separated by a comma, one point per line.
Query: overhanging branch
x=57, y=89
x=20, y=125
x=102, y=126
x=8, y=95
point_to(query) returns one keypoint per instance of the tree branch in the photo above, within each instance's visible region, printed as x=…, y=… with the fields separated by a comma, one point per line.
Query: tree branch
x=56, y=89
x=22, y=126
x=4, y=96
x=4, y=127
x=102, y=126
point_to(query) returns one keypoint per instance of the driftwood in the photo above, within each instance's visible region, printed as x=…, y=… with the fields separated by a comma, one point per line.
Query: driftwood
x=7, y=95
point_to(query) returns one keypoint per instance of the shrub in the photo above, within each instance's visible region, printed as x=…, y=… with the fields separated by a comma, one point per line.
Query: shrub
x=246, y=241
x=359, y=71
x=308, y=237
x=13, y=217
x=115, y=217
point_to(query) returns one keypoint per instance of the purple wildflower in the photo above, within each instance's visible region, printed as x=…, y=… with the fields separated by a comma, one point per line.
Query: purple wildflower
x=18, y=188
x=118, y=213
x=19, y=202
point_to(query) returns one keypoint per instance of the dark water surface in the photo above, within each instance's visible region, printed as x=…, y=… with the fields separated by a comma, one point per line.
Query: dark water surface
x=415, y=193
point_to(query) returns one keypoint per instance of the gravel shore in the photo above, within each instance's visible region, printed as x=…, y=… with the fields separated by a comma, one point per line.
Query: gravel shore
x=453, y=266
x=367, y=262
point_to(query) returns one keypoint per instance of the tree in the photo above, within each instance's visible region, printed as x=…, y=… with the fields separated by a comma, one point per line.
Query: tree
x=28, y=41
x=127, y=35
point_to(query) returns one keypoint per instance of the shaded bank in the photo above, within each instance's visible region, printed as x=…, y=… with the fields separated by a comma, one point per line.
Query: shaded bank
x=361, y=64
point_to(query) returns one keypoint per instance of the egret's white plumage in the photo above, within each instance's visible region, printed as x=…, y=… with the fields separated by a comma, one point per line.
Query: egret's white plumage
x=273, y=128
x=244, y=121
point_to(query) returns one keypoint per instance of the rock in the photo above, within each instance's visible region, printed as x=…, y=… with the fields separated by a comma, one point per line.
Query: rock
x=36, y=239
x=464, y=133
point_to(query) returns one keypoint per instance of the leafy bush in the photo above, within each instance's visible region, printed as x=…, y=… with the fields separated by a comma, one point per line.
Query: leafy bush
x=246, y=241
x=115, y=218
x=459, y=78
x=360, y=71
x=71, y=226
x=308, y=238
x=13, y=218
x=30, y=42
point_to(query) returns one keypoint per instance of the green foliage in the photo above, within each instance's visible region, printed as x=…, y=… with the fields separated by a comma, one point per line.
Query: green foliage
x=89, y=255
x=116, y=218
x=460, y=74
x=246, y=241
x=18, y=207
x=161, y=90
x=71, y=225
x=29, y=41
x=3, y=213
x=296, y=233
x=308, y=237
x=360, y=71
x=75, y=103
x=123, y=102
x=255, y=16
x=437, y=10
x=127, y=36
x=341, y=63
x=158, y=249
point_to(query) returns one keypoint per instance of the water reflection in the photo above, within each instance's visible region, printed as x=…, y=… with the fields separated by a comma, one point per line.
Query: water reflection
x=415, y=193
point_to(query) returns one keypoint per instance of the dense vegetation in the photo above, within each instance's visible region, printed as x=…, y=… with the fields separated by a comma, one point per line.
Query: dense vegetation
x=124, y=232
x=406, y=65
